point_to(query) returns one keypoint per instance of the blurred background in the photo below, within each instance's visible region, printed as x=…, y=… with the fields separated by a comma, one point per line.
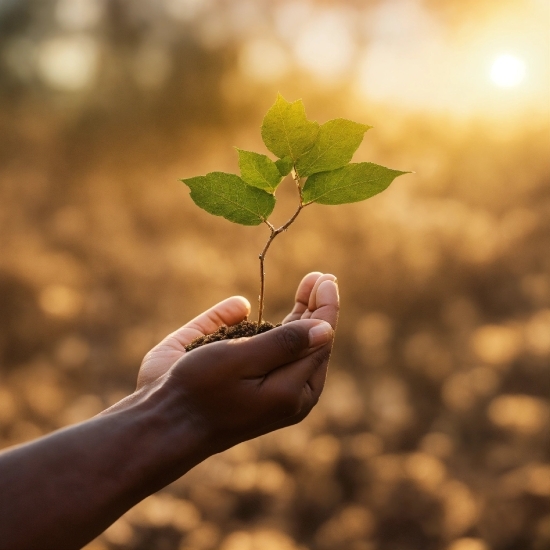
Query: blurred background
x=434, y=428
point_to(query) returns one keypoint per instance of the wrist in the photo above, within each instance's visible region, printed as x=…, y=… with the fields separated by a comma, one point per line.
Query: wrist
x=89, y=474
x=168, y=440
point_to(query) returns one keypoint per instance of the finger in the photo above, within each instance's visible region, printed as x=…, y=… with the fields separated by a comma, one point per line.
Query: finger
x=326, y=302
x=255, y=357
x=302, y=296
x=318, y=377
x=327, y=306
x=227, y=312
x=300, y=383
x=313, y=302
x=298, y=395
x=295, y=376
x=286, y=391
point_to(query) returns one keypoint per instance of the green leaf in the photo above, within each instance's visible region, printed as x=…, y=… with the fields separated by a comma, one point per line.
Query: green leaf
x=286, y=131
x=352, y=183
x=259, y=171
x=336, y=142
x=284, y=165
x=229, y=196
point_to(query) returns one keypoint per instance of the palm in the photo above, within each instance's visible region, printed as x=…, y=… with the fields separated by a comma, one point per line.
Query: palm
x=310, y=303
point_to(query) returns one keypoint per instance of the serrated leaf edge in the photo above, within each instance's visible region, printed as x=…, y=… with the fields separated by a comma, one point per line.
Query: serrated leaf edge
x=273, y=189
x=280, y=96
x=398, y=173
x=237, y=205
x=366, y=126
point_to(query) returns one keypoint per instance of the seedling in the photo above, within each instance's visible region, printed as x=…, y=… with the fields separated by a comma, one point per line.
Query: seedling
x=317, y=156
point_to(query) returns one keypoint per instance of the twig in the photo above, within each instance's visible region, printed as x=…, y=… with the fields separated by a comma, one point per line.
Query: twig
x=273, y=234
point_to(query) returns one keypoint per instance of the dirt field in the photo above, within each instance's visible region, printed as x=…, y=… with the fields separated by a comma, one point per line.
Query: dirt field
x=434, y=428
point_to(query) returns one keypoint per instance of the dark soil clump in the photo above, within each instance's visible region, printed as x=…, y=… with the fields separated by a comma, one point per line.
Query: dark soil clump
x=240, y=330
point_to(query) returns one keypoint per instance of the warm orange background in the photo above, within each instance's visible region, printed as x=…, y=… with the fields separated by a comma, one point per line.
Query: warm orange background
x=433, y=431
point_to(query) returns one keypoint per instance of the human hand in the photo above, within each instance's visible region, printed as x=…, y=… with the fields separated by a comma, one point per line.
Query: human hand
x=231, y=311
x=188, y=405
x=238, y=389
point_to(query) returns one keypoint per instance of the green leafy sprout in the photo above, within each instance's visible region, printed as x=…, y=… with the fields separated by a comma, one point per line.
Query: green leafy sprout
x=317, y=156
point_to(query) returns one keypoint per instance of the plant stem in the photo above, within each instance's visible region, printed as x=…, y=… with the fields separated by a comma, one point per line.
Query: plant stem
x=274, y=233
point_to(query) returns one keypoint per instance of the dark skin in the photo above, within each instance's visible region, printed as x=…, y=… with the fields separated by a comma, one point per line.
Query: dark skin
x=63, y=490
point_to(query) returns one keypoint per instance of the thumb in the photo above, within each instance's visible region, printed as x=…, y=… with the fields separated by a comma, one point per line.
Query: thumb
x=285, y=344
x=258, y=355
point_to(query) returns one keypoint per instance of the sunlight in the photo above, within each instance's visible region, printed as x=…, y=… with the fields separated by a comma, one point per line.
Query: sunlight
x=263, y=60
x=68, y=63
x=485, y=68
x=507, y=71
x=325, y=46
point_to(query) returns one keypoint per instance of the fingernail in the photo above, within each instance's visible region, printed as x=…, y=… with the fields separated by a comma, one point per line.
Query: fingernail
x=320, y=334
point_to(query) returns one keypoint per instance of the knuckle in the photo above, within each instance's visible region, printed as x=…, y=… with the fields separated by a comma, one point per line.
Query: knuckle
x=288, y=403
x=320, y=358
x=290, y=339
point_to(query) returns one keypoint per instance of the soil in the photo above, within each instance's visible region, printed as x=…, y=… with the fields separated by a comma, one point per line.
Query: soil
x=240, y=330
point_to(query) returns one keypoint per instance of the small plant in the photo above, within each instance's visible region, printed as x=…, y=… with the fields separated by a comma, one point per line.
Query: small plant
x=317, y=156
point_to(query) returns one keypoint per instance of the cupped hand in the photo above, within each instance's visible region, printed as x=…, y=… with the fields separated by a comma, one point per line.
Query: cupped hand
x=234, y=390
x=310, y=302
x=163, y=356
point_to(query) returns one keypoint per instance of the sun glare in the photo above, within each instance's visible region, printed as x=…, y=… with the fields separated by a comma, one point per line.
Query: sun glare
x=507, y=71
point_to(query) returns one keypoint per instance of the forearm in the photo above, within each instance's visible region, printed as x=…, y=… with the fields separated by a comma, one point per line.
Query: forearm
x=64, y=489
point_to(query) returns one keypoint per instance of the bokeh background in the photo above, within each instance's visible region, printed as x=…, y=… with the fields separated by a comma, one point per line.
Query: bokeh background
x=434, y=428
